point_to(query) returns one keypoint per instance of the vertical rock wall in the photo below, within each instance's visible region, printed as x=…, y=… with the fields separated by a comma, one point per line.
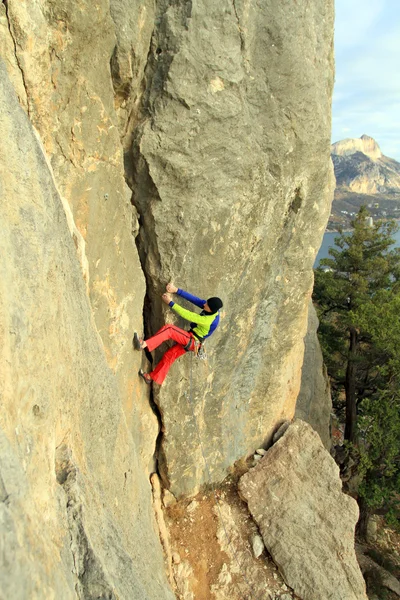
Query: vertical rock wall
x=75, y=499
x=218, y=116
x=63, y=51
x=79, y=432
x=314, y=402
x=232, y=178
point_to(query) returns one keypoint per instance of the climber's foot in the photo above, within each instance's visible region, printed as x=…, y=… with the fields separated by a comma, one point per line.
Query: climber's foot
x=145, y=376
x=138, y=343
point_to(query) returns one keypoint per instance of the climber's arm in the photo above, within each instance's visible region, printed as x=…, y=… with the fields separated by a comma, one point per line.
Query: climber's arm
x=193, y=317
x=193, y=299
x=172, y=289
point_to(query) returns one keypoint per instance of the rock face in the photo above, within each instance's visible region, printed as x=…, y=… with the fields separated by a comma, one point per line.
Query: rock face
x=307, y=522
x=70, y=101
x=75, y=496
x=361, y=168
x=218, y=117
x=232, y=179
x=314, y=402
x=365, y=144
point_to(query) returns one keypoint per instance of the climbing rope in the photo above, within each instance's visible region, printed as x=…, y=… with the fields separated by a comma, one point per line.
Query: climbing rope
x=234, y=553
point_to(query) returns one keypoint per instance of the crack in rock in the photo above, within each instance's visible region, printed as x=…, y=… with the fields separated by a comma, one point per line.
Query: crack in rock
x=92, y=583
x=17, y=60
x=241, y=32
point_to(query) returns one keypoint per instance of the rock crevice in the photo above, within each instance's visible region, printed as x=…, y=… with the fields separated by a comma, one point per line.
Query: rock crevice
x=17, y=60
x=91, y=579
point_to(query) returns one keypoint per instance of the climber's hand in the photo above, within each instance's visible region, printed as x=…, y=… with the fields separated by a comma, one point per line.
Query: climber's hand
x=166, y=298
x=171, y=288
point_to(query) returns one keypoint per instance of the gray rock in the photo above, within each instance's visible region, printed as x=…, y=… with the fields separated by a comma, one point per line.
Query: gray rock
x=280, y=431
x=257, y=545
x=134, y=24
x=230, y=172
x=371, y=569
x=307, y=522
x=314, y=402
x=70, y=102
x=168, y=499
x=372, y=529
x=76, y=499
x=233, y=181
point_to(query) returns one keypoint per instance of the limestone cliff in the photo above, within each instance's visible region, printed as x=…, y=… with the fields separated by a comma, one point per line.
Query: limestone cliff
x=232, y=180
x=365, y=144
x=361, y=168
x=75, y=496
x=314, y=402
x=217, y=116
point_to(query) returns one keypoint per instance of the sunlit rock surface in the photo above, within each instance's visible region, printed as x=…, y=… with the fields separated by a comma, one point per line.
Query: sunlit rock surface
x=232, y=178
x=314, y=402
x=75, y=496
x=295, y=496
x=217, y=115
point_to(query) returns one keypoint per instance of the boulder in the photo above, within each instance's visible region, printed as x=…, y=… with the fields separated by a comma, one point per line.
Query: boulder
x=295, y=496
x=257, y=545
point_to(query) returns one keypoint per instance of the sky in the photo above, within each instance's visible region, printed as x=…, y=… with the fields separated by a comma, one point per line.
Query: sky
x=366, y=96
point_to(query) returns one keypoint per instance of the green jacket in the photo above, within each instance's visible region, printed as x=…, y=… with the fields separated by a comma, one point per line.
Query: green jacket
x=203, y=323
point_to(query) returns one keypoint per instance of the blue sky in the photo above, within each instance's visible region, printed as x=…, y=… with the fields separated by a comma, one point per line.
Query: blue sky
x=366, y=97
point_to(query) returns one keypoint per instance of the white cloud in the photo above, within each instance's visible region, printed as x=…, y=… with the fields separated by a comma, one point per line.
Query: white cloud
x=367, y=90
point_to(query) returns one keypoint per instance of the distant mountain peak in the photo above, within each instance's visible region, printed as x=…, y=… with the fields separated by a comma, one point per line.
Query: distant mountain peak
x=365, y=144
x=361, y=168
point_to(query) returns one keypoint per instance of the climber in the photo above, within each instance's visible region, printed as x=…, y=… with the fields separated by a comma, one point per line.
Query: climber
x=201, y=327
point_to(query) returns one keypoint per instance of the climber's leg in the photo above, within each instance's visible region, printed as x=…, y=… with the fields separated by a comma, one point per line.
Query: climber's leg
x=170, y=356
x=168, y=332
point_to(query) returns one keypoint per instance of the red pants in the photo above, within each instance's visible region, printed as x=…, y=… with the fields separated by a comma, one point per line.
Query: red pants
x=169, y=332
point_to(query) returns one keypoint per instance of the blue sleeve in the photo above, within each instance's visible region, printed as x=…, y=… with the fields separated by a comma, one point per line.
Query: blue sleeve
x=193, y=299
x=213, y=327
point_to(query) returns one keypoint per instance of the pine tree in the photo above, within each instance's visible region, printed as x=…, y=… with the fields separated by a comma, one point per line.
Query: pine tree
x=357, y=294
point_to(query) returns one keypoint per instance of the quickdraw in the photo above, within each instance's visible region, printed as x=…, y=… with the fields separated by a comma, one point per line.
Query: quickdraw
x=200, y=351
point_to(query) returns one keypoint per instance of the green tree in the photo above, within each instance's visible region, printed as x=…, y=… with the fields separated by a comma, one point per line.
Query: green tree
x=363, y=265
x=379, y=418
x=357, y=294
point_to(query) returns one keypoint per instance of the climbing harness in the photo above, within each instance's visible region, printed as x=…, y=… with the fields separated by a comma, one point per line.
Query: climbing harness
x=198, y=349
x=187, y=346
x=191, y=404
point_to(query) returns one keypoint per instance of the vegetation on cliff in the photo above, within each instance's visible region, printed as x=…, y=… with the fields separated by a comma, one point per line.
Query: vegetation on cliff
x=357, y=294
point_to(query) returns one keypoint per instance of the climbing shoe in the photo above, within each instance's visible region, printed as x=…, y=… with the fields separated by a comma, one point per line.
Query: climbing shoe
x=145, y=376
x=137, y=342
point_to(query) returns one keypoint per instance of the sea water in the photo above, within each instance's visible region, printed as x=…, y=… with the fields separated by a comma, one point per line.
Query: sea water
x=328, y=241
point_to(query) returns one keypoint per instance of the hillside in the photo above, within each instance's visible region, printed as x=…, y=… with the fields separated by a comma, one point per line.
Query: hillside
x=364, y=176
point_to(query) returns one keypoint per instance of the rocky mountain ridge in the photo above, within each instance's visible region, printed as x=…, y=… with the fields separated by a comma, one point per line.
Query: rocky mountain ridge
x=364, y=176
x=350, y=146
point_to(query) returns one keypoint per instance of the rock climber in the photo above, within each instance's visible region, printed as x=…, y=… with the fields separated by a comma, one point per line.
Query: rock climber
x=201, y=327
